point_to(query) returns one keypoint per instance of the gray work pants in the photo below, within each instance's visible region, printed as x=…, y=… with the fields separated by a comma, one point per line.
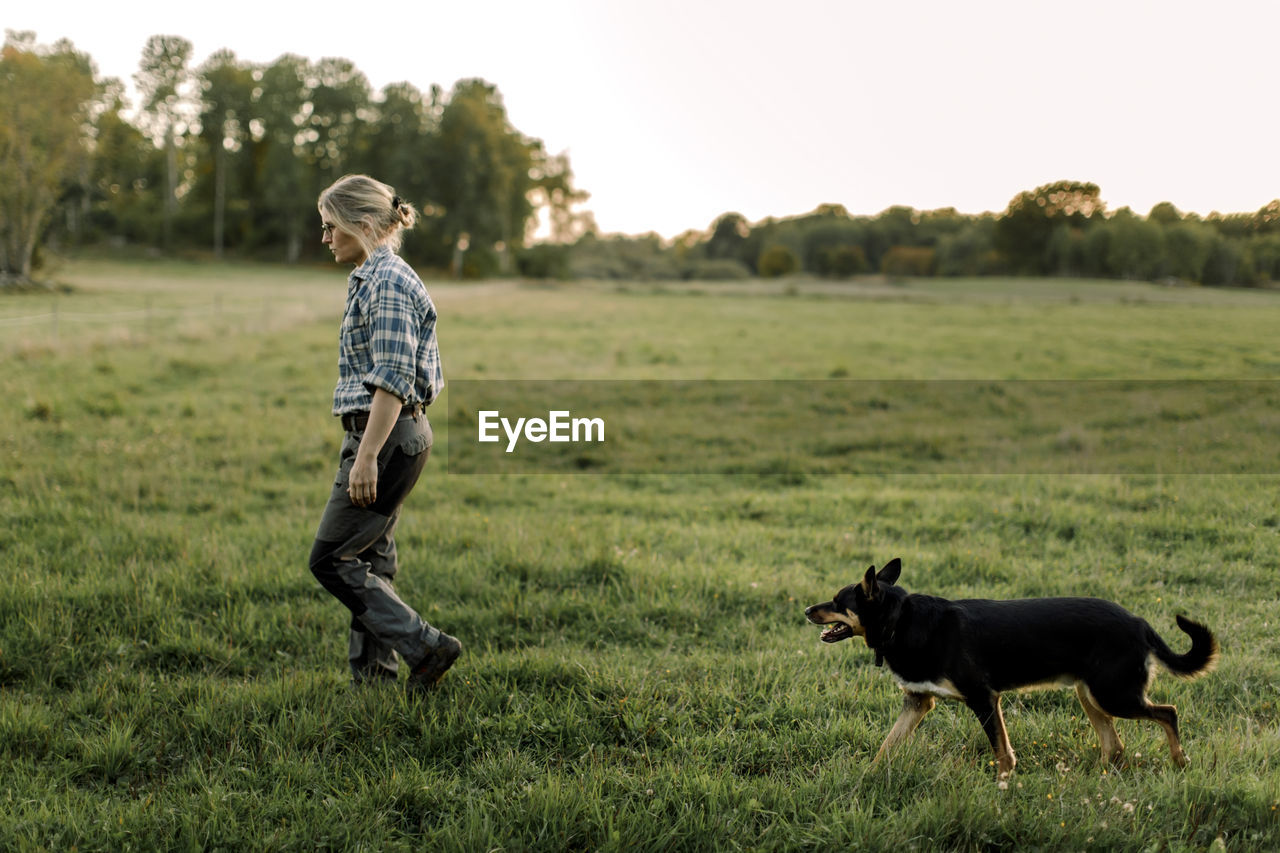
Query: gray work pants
x=354, y=555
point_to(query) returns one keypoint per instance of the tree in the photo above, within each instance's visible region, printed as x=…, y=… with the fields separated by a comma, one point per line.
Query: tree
x=1065, y=254
x=163, y=80
x=227, y=93
x=969, y=251
x=729, y=235
x=1024, y=231
x=1165, y=213
x=1137, y=249
x=1267, y=219
x=338, y=103
x=895, y=226
x=834, y=248
x=483, y=172
x=286, y=197
x=126, y=177
x=1266, y=256
x=1187, y=247
x=44, y=101
x=933, y=226
x=394, y=143
x=554, y=192
x=1223, y=265
x=1096, y=250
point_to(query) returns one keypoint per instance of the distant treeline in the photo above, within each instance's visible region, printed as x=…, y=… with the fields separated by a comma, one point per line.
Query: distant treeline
x=1061, y=229
x=229, y=157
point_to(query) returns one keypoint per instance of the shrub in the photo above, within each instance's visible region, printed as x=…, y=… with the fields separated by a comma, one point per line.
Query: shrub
x=618, y=257
x=725, y=269
x=544, y=260
x=825, y=234
x=909, y=261
x=777, y=261
x=842, y=261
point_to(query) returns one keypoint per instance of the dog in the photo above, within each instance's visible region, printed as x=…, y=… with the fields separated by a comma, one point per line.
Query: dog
x=974, y=649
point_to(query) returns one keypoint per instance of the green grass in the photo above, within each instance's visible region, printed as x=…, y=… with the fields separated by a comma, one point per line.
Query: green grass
x=638, y=673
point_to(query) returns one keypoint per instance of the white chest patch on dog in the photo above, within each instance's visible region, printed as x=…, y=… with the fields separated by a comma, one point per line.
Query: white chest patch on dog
x=943, y=690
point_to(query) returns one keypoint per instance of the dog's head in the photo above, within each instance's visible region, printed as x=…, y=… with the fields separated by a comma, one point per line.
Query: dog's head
x=858, y=608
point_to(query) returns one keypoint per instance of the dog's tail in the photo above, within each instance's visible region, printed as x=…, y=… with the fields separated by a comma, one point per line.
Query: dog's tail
x=1202, y=657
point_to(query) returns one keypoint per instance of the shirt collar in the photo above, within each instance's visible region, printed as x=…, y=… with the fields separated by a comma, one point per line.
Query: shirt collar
x=365, y=270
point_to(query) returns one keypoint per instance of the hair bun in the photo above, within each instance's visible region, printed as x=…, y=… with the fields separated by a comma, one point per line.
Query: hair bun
x=404, y=213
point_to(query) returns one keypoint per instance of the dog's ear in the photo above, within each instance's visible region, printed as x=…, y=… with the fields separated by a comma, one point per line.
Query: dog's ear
x=890, y=572
x=870, y=588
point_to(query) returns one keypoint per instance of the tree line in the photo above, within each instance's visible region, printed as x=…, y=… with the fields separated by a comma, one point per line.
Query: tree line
x=1059, y=229
x=229, y=157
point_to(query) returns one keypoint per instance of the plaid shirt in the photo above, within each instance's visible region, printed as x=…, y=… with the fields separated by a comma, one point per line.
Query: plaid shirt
x=388, y=337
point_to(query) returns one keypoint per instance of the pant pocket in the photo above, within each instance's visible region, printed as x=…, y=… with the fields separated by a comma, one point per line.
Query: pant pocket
x=416, y=436
x=346, y=458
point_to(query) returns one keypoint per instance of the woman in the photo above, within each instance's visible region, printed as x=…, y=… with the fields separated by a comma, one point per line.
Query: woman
x=388, y=373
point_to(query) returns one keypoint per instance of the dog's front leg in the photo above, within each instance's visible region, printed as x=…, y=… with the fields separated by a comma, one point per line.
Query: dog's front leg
x=987, y=706
x=914, y=707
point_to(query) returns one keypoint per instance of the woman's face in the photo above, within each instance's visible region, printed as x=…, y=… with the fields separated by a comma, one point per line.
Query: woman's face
x=345, y=247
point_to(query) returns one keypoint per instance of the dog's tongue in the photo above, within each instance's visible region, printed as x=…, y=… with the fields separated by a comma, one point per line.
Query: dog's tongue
x=835, y=633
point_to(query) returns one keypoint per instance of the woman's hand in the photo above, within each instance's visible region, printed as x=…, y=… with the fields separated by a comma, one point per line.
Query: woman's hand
x=362, y=485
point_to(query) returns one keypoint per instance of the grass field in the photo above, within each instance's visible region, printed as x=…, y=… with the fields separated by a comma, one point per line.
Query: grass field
x=637, y=673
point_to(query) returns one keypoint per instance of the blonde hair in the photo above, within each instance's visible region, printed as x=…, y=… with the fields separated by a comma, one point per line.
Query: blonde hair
x=369, y=210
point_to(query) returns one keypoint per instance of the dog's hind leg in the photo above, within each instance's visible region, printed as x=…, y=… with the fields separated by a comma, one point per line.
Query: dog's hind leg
x=1139, y=707
x=1108, y=739
x=986, y=704
x=914, y=707
x=1167, y=717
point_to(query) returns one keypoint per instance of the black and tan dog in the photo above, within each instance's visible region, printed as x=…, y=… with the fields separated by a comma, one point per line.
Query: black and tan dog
x=974, y=649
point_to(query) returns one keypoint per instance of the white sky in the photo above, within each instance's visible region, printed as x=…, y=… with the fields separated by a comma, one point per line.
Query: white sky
x=676, y=111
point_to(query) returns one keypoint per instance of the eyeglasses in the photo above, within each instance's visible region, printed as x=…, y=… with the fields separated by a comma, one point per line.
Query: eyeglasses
x=327, y=230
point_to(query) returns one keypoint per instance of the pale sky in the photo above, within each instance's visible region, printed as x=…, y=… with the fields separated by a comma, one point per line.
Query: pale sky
x=673, y=112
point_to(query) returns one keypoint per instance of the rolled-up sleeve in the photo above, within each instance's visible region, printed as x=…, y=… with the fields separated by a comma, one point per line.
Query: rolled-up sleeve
x=393, y=341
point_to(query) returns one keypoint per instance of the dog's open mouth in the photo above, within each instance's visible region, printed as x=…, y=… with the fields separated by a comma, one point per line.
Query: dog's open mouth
x=836, y=633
